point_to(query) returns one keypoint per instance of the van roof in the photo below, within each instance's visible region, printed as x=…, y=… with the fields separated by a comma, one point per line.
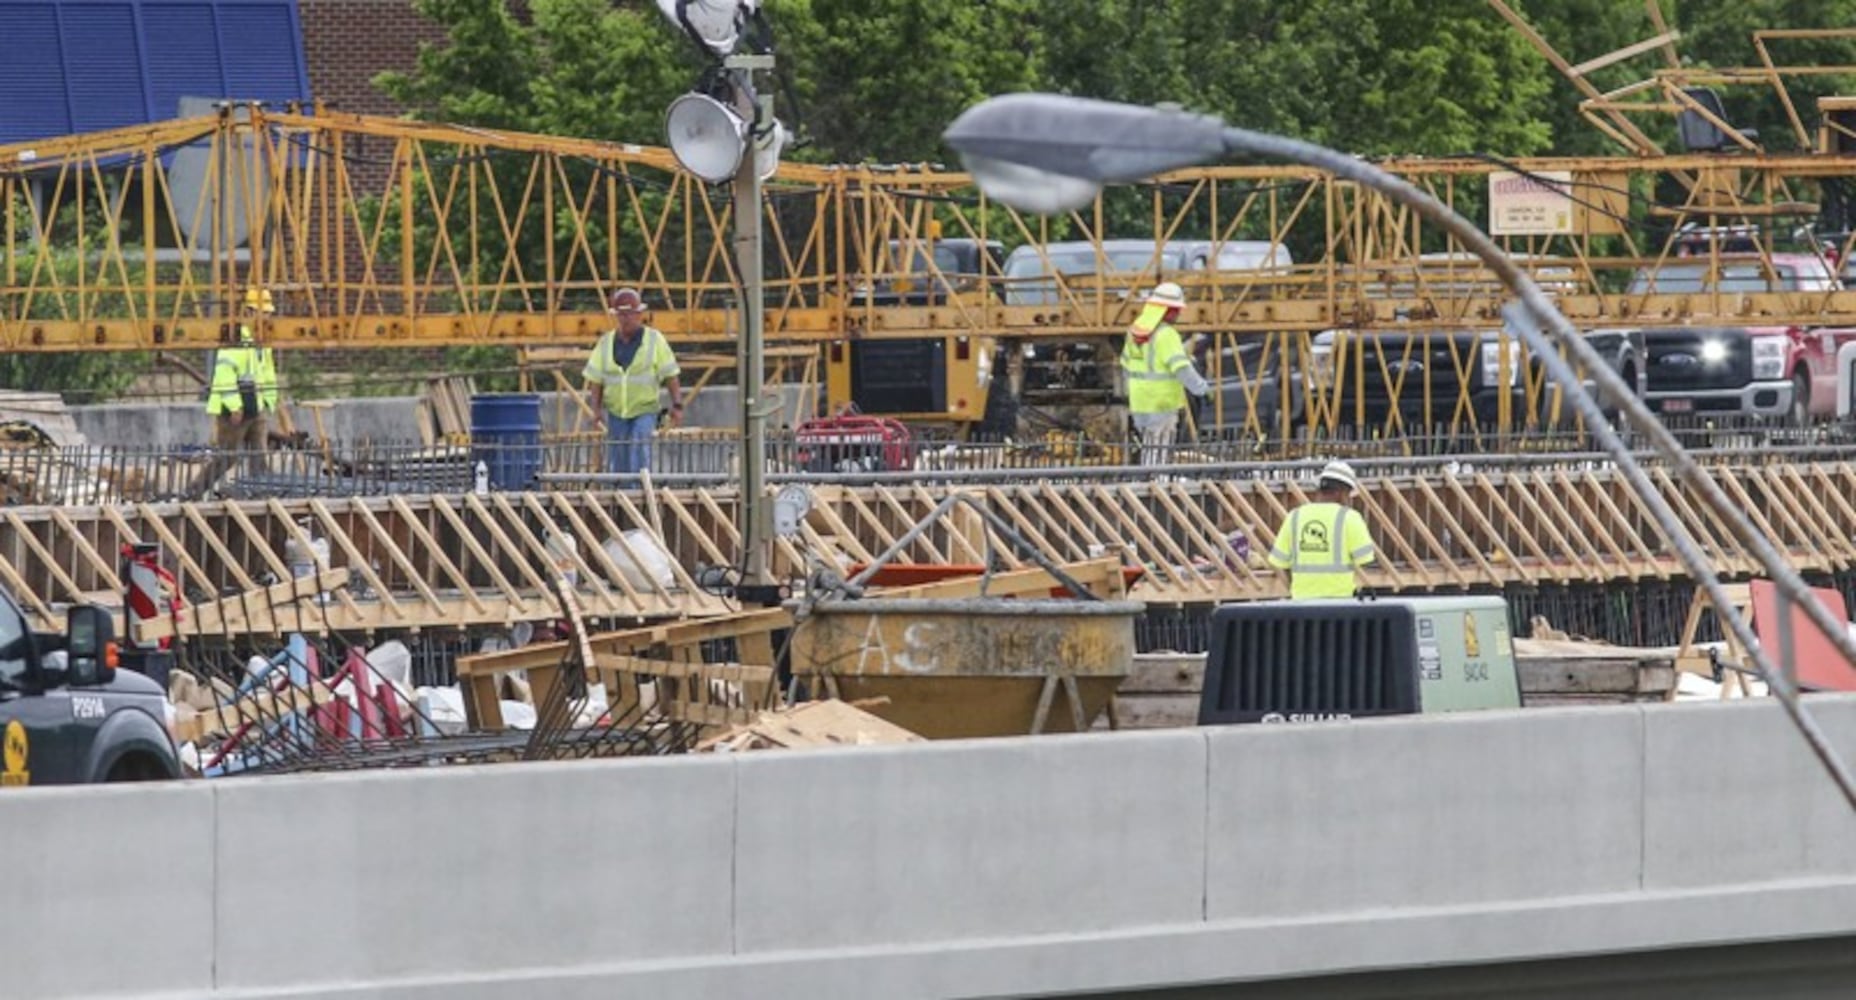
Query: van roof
x=945, y=240
x=1123, y=245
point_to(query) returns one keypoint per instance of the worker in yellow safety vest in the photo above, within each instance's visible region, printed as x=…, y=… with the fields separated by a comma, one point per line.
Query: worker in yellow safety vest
x=1325, y=541
x=243, y=392
x=624, y=372
x=1159, y=372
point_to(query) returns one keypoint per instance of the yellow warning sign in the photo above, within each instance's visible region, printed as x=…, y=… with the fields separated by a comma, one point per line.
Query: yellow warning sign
x=17, y=750
x=1472, y=643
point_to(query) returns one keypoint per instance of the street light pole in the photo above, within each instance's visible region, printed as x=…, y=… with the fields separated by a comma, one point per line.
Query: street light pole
x=1019, y=144
x=1534, y=316
x=752, y=521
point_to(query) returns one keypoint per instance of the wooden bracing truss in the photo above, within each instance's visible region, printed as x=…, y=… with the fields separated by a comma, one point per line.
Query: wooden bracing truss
x=450, y=562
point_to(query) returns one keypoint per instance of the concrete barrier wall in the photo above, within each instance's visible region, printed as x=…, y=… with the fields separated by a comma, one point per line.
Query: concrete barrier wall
x=381, y=419
x=979, y=868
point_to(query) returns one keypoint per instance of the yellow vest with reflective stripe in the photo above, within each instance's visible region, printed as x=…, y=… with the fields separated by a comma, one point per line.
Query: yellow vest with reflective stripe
x=1153, y=382
x=234, y=363
x=632, y=391
x=1321, y=545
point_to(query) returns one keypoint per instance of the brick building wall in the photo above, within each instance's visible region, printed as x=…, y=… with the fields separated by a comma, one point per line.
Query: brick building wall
x=346, y=43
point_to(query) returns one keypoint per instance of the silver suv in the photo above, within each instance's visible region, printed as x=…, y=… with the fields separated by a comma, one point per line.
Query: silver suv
x=1033, y=271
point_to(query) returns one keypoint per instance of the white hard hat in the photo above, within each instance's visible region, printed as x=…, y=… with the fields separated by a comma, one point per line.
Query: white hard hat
x=1167, y=293
x=1340, y=472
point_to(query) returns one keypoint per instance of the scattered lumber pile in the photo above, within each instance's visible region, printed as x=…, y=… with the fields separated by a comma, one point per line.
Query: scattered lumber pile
x=1582, y=672
x=829, y=723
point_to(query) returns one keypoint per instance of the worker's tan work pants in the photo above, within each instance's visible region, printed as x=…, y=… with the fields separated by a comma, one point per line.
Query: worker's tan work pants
x=233, y=442
x=1157, y=432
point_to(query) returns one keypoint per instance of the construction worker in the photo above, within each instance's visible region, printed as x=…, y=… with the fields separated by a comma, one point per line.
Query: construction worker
x=624, y=371
x=1324, y=542
x=1160, y=373
x=244, y=390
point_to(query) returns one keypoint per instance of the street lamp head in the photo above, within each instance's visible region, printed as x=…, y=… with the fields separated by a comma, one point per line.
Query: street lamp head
x=1029, y=189
x=1046, y=152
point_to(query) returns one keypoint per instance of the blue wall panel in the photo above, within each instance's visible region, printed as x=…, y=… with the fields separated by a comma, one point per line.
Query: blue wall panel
x=189, y=28
x=82, y=65
x=34, y=103
x=103, y=65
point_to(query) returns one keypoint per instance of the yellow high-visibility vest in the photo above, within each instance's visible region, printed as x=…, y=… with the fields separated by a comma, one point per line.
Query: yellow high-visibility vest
x=631, y=391
x=1321, y=545
x=1153, y=371
x=244, y=361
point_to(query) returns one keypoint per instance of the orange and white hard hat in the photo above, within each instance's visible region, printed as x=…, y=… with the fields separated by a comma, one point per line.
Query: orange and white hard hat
x=626, y=300
x=1167, y=294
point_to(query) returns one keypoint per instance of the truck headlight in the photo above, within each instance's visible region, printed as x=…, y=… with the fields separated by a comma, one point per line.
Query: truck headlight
x=1713, y=352
x=1769, y=357
x=1494, y=372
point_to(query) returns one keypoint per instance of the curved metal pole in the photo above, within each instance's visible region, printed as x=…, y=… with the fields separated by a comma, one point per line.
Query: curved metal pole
x=1538, y=312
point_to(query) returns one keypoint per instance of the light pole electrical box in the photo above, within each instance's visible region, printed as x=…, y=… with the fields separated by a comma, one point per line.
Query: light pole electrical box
x=1308, y=661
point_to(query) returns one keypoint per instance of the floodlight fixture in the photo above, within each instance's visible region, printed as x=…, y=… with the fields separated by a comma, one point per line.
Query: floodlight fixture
x=707, y=137
x=716, y=25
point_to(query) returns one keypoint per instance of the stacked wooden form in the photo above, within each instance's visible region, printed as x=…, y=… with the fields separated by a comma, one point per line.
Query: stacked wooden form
x=444, y=410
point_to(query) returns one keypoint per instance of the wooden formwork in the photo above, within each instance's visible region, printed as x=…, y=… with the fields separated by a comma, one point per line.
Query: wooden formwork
x=449, y=561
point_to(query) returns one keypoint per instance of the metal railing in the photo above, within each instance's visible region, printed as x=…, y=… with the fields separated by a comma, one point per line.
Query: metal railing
x=110, y=474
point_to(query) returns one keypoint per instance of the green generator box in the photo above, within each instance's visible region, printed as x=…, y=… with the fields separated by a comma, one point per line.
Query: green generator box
x=1307, y=661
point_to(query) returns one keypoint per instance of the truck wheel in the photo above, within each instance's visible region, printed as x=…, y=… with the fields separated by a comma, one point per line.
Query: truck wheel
x=136, y=767
x=1801, y=400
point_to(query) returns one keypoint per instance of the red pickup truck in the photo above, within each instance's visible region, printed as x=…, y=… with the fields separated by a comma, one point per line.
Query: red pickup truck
x=1777, y=371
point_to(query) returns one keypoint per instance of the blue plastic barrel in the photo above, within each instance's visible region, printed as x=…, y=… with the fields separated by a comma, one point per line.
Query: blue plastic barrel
x=505, y=435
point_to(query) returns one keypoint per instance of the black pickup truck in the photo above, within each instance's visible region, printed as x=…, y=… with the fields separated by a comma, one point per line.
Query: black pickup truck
x=69, y=715
x=1423, y=377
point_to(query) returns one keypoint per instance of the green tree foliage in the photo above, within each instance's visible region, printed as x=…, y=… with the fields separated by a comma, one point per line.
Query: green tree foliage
x=1446, y=76
x=877, y=80
x=1585, y=29
x=578, y=67
x=479, y=75
x=87, y=376
x=1376, y=76
x=1128, y=50
x=881, y=80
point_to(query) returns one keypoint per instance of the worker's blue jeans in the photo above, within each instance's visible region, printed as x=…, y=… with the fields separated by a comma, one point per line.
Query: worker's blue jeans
x=628, y=442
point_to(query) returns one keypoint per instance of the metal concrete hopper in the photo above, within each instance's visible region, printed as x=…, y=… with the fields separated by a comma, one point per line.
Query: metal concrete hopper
x=971, y=667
